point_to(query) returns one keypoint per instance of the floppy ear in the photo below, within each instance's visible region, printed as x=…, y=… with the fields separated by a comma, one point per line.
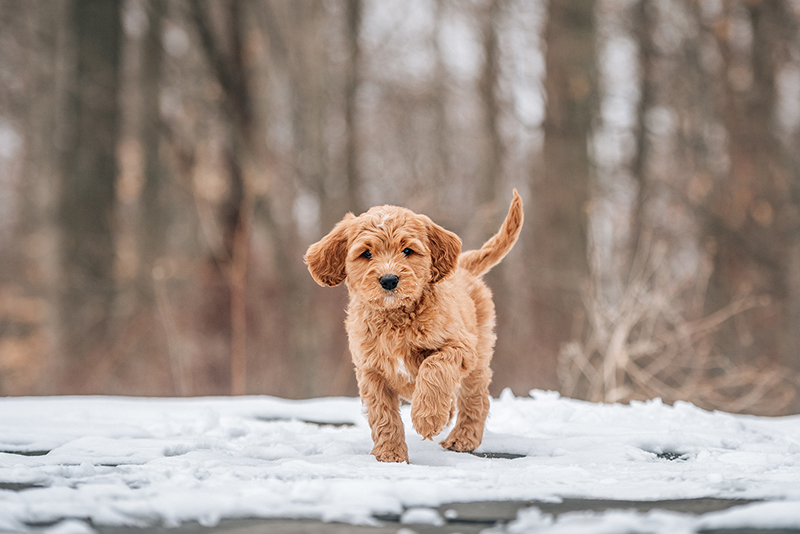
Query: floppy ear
x=445, y=247
x=326, y=257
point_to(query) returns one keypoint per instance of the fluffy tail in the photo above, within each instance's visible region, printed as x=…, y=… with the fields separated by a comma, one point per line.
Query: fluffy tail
x=478, y=262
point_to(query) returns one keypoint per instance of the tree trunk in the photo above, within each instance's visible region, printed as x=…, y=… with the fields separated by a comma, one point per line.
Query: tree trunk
x=561, y=193
x=441, y=97
x=752, y=215
x=488, y=88
x=645, y=26
x=353, y=9
x=153, y=204
x=38, y=198
x=87, y=189
x=307, y=59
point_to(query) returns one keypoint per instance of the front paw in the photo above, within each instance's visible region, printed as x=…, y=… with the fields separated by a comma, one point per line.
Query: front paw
x=429, y=415
x=386, y=453
x=462, y=440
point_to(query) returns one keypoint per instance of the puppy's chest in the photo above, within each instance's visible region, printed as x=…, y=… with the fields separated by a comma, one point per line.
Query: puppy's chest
x=403, y=356
x=399, y=357
x=394, y=345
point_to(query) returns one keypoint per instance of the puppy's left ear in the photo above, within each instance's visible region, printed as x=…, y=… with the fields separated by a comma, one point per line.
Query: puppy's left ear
x=326, y=258
x=445, y=247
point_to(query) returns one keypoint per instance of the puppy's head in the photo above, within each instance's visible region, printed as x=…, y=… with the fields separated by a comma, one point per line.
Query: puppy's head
x=387, y=255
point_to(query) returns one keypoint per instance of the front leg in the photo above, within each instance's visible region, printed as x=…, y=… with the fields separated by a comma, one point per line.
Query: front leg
x=436, y=383
x=383, y=414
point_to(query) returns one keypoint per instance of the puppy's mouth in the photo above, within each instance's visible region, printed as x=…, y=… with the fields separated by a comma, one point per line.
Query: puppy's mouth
x=391, y=291
x=391, y=296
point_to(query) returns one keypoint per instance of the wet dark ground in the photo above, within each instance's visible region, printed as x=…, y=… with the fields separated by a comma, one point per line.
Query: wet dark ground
x=464, y=518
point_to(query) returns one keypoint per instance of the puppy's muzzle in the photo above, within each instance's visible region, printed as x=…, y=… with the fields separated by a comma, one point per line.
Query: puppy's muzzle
x=389, y=281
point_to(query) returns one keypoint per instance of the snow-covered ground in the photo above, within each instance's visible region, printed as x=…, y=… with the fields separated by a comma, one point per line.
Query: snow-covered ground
x=138, y=461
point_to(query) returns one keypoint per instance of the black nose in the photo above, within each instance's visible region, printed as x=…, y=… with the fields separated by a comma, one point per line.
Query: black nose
x=389, y=281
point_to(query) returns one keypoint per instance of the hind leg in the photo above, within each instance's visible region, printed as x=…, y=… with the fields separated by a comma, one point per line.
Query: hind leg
x=473, y=407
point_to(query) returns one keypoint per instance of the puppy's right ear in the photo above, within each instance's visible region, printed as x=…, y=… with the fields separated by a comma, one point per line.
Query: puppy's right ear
x=326, y=258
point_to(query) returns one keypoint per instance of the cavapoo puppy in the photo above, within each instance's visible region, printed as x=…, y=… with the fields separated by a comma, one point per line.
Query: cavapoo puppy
x=420, y=321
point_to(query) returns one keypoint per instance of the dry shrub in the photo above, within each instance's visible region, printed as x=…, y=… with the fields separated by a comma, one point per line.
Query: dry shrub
x=642, y=345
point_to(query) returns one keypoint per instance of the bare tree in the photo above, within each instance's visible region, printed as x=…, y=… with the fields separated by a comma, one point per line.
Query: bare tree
x=224, y=51
x=30, y=333
x=644, y=25
x=562, y=191
x=153, y=201
x=751, y=220
x=353, y=15
x=493, y=151
x=87, y=189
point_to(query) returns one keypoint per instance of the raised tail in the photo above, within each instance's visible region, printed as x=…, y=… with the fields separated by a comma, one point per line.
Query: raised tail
x=478, y=262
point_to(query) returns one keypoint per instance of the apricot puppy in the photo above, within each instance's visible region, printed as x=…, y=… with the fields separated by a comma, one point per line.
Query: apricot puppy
x=420, y=321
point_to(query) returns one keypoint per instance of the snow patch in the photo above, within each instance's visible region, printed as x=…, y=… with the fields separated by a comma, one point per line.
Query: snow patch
x=421, y=516
x=140, y=462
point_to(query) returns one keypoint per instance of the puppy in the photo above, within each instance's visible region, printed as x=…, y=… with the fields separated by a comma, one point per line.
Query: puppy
x=420, y=321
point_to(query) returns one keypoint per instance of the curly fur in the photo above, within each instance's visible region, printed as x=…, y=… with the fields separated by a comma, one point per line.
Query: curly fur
x=430, y=339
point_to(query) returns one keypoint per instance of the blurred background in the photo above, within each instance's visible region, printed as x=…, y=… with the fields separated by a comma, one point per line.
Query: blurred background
x=164, y=164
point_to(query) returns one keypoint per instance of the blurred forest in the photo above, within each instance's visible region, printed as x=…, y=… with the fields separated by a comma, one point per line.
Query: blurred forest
x=164, y=164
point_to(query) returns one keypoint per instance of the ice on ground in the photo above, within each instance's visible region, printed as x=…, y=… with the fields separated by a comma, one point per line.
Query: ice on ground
x=136, y=461
x=756, y=516
x=611, y=522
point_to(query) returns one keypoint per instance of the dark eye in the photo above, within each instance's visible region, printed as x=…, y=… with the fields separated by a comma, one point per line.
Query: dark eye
x=408, y=251
x=367, y=254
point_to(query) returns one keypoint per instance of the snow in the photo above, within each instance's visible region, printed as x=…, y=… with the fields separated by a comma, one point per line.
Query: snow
x=422, y=516
x=140, y=462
